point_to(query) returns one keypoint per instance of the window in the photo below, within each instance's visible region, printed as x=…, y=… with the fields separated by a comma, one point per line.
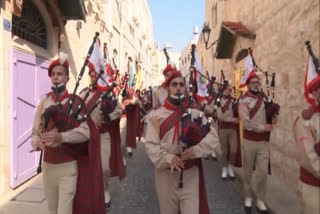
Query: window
x=30, y=26
x=214, y=11
x=131, y=31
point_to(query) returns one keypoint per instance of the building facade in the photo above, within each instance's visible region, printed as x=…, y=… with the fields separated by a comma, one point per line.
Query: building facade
x=276, y=31
x=159, y=64
x=29, y=43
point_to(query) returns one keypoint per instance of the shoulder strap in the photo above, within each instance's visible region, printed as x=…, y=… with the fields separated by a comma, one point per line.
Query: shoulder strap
x=155, y=123
x=255, y=109
x=226, y=105
x=41, y=105
x=307, y=114
x=93, y=100
x=156, y=96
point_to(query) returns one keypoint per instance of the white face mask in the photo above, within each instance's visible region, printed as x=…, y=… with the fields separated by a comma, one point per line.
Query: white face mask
x=177, y=100
x=58, y=88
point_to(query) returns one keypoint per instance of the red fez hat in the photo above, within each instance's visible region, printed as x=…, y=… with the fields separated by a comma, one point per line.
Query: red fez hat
x=62, y=60
x=170, y=67
x=173, y=75
x=252, y=75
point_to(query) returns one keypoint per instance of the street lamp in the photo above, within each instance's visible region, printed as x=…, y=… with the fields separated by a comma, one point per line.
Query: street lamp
x=206, y=35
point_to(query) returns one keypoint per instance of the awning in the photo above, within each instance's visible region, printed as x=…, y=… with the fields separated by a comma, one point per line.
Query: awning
x=72, y=9
x=228, y=36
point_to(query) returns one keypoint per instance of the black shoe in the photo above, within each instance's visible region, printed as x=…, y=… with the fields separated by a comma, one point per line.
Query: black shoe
x=206, y=158
x=232, y=178
x=108, y=205
x=130, y=154
x=224, y=178
x=247, y=210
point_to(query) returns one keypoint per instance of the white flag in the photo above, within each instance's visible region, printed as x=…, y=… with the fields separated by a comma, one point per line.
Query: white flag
x=248, y=70
x=96, y=62
x=201, y=80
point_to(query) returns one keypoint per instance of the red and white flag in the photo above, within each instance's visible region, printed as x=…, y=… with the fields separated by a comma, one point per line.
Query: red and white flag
x=96, y=63
x=249, y=70
x=311, y=81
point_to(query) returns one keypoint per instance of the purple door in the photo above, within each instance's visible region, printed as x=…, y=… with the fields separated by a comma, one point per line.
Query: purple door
x=29, y=81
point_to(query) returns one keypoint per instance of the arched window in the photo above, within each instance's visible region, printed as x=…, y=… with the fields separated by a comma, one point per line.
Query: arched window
x=30, y=26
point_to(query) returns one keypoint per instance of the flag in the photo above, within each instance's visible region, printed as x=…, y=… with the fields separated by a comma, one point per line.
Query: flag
x=311, y=81
x=130, y=74
x=96, y=63
x=201, y=81
x=249, y=70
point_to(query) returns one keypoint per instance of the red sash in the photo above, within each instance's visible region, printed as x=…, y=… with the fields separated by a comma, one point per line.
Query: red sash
x=93, y=100
x=132, y=125
x=172, y=120
x=307, y=178
x=226, y=105
x=61, y=98
x=256, y=107
x=116, y=163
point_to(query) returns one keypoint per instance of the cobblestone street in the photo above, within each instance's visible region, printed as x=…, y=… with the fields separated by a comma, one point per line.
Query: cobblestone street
x=136, y=193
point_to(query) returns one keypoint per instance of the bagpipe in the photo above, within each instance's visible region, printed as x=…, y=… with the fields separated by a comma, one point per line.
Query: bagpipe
x=272, y=108
x=193, y=130
x=316, y=63
x=314, y=58
x=215, y=97
x=73, y=113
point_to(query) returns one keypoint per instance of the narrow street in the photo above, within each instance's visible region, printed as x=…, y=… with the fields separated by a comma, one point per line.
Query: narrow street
x=136, y=193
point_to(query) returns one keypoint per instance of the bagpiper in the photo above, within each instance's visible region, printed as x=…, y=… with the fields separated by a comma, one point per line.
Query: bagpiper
x=307, y=135
x=71, y=157
x=165, y=139
x=106, y=118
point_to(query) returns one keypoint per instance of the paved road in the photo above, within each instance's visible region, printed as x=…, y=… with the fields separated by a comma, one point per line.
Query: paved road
x=136, y=193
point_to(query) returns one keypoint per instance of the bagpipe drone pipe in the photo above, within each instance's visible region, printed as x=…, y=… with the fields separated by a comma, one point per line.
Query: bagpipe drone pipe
x=193, y=129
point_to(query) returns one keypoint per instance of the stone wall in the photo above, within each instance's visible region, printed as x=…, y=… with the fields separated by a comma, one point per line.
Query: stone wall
x=104, y=17
x=281, y=28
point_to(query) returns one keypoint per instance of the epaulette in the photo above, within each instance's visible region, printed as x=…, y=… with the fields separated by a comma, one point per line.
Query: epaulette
x=243, y=96
x=307, y=114
x=45, y=96
x=241, y=99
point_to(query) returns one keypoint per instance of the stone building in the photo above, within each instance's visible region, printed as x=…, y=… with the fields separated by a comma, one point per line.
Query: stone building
x=185, y=59
x=30, y=42
x=160, y=62
x=276, y=31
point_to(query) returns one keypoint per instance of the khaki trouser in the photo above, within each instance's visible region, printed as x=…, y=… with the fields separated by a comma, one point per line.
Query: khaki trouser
x=171, y=197
x=309, y=198
x=123, y=133
x=60, y=183
x=228, y=142
x=255, y=154
x=105, y=157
